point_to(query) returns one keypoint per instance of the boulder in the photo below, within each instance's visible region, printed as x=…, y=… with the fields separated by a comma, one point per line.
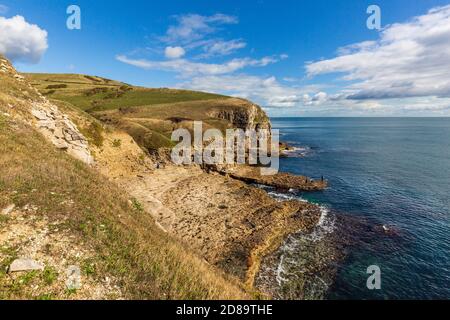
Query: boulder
x=25, y=265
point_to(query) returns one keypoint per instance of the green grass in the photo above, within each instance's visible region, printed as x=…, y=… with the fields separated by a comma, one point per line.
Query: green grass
x=137, y=205
x=49, y=275
x=98, y=94
x=88, y=267
x=116, y=143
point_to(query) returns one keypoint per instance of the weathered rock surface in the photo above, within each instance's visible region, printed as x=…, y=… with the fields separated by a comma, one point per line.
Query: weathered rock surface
x=230, y=224
x=243, y=114
x=279, y=180
x=61, y=131
x=50, y=121
x=25, y=265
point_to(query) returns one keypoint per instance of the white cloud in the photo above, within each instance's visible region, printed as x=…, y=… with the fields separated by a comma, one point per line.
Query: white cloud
x=317, y=99
x=186, y=68
x=222, y=48
x=410, y=59
x=3, y=9
x=22, y=41
x=264, y=90
x=194, y=31
x=174, y=52
x=191, y=27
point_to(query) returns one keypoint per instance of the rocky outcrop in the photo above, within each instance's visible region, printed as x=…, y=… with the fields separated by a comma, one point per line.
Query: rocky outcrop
x=49, y=120
x=25, y=264
x=61, y=131
x=230, y=224
x=243, y=114
x=279, y=180
x=6, y=67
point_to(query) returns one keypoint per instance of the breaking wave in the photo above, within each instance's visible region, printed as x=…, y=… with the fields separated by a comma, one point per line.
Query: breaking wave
x=302, y=267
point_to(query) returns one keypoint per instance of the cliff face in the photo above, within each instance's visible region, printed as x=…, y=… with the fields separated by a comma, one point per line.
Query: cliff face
x=243, y=114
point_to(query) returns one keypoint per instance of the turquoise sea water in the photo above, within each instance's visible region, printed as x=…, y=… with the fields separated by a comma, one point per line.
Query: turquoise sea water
x=392, y=172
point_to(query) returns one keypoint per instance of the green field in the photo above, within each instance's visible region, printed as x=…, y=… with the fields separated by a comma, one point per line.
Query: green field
x=98, y=94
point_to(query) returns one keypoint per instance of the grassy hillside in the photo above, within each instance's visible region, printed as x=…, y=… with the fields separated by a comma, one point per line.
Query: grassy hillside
x=68, y=213
x=92, y=94
x=148, y=115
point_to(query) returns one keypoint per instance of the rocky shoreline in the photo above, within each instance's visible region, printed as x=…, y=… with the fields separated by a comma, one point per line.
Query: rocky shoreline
x=281, y=180
x=230, y=224
x=219, y=214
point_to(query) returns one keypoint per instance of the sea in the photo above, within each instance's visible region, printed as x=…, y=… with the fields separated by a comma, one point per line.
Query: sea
x=387, y=205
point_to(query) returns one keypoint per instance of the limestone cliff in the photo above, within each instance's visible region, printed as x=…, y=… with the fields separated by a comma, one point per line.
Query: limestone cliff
x=243, y=114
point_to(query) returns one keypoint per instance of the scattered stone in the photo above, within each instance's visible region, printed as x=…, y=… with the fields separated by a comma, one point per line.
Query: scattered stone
x=30, y=207
x=61, y=131
x=19, y=265
x=39, y=114
x=8, y=209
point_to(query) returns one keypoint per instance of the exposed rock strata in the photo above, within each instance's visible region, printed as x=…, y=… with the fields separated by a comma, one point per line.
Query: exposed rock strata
x=243, y=114
x=230, y=224
x=280, y=180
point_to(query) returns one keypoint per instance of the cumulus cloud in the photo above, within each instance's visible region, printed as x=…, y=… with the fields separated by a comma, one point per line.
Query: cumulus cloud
x=174, y=52
x=186, y=68
x=22, y=41
x=267, y=91
x=410, y=59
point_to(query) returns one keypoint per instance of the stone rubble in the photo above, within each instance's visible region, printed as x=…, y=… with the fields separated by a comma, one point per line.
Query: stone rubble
x=61, y=131
x=19, y=265
x=52, y=123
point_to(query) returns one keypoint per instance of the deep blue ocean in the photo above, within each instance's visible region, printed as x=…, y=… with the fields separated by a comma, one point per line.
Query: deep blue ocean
x=392, y=172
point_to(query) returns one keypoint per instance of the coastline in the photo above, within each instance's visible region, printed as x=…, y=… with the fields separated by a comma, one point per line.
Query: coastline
x=230, y=224
x=220, y=216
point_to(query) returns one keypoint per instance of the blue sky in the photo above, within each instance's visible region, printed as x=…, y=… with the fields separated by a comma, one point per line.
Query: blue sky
x=285, y=55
